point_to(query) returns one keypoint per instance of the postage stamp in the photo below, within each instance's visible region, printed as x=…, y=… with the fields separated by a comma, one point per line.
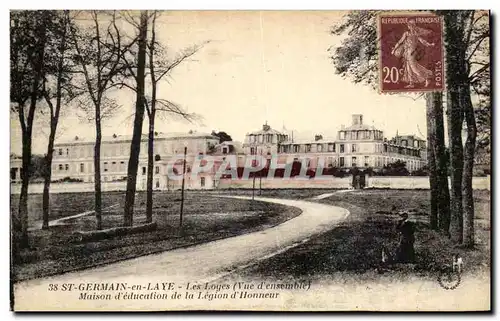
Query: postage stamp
x=411, y=53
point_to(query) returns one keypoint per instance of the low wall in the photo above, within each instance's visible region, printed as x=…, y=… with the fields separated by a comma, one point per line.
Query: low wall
x=417, y=182
x=396, y=182
x=70, y=187
x=277, y=183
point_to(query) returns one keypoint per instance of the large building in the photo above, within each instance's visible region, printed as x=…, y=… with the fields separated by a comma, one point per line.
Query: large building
x=75, y=159
x=358, y=145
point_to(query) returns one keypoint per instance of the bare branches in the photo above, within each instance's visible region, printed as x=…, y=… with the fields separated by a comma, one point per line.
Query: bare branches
x=169, y=108
x=168, y=66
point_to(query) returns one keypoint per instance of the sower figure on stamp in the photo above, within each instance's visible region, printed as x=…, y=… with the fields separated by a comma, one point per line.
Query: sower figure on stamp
x=406, y=48
x=405, y=252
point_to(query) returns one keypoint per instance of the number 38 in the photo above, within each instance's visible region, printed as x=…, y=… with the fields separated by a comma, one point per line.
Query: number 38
x=391, y=75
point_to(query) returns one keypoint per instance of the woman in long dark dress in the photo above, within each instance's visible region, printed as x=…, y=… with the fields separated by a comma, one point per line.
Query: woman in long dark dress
x=405, y=252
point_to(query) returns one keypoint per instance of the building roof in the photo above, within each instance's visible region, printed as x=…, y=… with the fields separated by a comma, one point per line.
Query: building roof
x=359, y=127
x=124, y=138
x=269, y=131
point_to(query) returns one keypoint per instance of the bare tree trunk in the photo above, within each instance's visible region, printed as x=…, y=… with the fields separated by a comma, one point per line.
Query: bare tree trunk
x=48, y=176
x=454, y=34
x=135, y=146
x=149, y=196
x=469, y=153
x=441, y=165
x=431, y=160
x=23, y=198
x=97, y=170
x=27, y=129
x=54, y=119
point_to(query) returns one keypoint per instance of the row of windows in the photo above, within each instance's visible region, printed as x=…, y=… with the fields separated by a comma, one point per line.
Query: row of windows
x=124, y=149
x=106, y=167
x=360, y=134
x=267, y=138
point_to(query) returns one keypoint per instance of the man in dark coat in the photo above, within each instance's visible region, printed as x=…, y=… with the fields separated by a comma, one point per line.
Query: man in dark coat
x=405, y=252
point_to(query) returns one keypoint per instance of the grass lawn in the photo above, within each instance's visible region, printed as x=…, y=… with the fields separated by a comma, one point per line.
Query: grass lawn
x=354, y=247
x=206, y=218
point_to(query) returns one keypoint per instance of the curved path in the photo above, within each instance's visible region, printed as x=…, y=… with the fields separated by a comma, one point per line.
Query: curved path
x=195, y=264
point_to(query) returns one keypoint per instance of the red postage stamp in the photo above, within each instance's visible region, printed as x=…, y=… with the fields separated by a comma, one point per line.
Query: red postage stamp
x=411, y=53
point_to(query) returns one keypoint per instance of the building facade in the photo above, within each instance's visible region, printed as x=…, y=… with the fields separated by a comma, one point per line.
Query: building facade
x=75, y=159
x=358, y=145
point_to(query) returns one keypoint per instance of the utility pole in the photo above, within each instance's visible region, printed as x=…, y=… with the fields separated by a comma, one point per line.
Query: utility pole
x=253, y=188
x=182, y=190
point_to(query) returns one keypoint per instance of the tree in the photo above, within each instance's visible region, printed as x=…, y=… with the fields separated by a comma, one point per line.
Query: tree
x=357, y=59
x=223, y=136
x=98, y=53
x=135, y=145
x=159, y=66
x=467, y=63
x=28, y=40
x=60, y=73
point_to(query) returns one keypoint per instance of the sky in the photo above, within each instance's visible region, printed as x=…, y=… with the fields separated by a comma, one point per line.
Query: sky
x=260, y=66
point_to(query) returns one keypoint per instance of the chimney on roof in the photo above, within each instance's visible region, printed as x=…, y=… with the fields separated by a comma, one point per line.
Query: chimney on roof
x=357, y=119
x=318, y=137
x=76, y=137
x=114, y=136
x=266, y=127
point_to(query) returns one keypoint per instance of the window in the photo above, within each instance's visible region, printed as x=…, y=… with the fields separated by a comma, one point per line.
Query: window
x=224, y=150
x=341, y=162
x=330, y=147
x=157, y=169
x=60, y=151
x=342, y=135
x=296, y=148
x=320, y=147
x=82, y=167
x=157, y=184
x=143, y=170
x=308, y=148
x=105, y=166
x=385, y=148
x=67, y=151
x=341, y=148
x=252, y=150
x=60, y=167
x=353, y=135
x=202, y=181
x=353, y=161
x=367, y=160
x=66, y=167
x=354, y=148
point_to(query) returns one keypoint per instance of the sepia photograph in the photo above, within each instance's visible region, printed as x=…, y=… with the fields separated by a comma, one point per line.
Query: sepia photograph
x=250, y=160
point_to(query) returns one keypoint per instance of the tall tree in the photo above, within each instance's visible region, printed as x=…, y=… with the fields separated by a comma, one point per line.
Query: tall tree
x=28, y=40
x=158, y=66
x=59, y=76
x=99, y=49
x=161, y=66
x=475, y=52
x=455, y=54
x=357, y=59
x=135, y=145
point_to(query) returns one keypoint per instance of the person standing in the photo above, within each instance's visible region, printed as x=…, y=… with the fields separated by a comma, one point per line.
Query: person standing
x=405, y=252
